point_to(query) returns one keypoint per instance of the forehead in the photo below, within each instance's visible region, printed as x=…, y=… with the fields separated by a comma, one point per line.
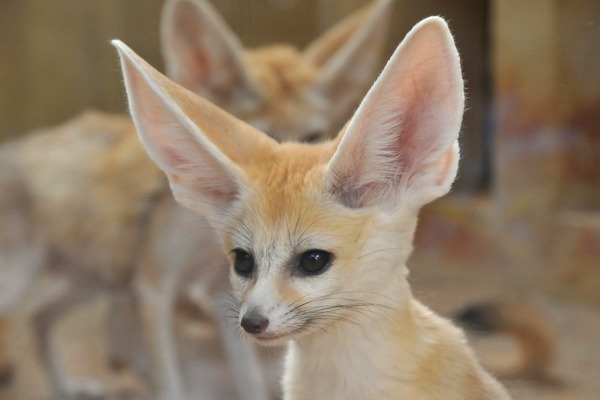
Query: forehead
x=281, y=72
x=288, y=206
x=291, y=178
x=288, y=108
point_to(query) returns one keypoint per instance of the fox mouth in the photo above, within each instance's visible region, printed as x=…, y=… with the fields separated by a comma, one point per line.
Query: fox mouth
x=277, y=338
x=267, y=338
x=272, y=339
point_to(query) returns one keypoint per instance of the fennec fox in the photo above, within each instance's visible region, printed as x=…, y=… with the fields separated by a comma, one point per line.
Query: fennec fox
x=84, y=197
x=318, y=235
x=535, y=338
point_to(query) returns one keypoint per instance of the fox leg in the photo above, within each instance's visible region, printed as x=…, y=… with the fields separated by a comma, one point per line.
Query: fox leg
x=157, y=316
x=124, y=330
x=6, y=369
x=21, y=257
x=43, y=320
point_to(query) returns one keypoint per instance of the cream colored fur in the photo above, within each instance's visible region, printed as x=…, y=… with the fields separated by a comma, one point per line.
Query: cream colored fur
x=353, y=327
x=84, y=199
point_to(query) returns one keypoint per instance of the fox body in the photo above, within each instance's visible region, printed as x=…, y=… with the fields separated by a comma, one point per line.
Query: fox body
x=318, y=236
x=85, y=198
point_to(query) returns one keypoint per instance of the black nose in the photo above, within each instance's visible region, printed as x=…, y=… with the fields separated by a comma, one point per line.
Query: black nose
x=254, y=323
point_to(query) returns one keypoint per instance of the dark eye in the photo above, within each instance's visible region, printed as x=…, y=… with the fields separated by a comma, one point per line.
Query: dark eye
x=243, y=262
x=313, y=137
x=314, y=262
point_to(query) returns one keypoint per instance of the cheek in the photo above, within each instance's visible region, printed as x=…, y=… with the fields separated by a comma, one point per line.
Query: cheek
x=288, y=290
x=300, y=289
x=239, y=285
x=343, y=280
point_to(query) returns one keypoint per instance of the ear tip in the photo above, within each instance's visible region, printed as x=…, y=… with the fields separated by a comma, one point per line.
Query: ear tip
x=435, y=22
x=199, y=8
x=438, y=27
x=123, y=50
x=120, y=46
x=385, y=3
x=381, y=8
x=171, y=4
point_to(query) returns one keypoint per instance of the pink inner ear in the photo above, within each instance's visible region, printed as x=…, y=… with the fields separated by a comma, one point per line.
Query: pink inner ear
x=443, y=166
x=173, y=156
x=400, y=141
x=185, y=22
x=214, y=193
x=190, y=47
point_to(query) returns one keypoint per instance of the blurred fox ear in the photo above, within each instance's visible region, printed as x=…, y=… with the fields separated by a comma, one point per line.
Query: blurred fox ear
x=348, y=54
x=199, y=146
x=201, y=53
x=401, y=146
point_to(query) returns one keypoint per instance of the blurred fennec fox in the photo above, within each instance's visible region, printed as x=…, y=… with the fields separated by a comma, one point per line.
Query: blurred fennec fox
x=318, y=236
x=84, y=197
x=536, y=340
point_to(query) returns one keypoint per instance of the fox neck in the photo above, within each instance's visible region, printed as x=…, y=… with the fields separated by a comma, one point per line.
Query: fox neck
x=353, y=360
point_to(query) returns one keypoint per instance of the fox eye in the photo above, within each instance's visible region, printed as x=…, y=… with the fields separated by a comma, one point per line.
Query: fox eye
x=243, y=262
x=314, y=262
x=312, y=137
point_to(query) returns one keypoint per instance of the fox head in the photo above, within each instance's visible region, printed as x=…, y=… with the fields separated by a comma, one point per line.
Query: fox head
x=290, y=95
x=316, y=232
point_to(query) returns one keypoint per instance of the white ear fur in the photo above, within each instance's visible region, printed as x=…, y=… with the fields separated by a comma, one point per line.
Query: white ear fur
x=201, y=53
x=401, y=146
x=202, y=178
x=348, y=54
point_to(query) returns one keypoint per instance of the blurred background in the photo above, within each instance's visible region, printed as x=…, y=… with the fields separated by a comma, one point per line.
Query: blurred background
x=523, y=223
x=62, y=47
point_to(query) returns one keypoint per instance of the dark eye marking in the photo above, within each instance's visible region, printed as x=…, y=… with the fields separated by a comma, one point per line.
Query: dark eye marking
x=243, y=263
x=312, y=137
x=314, y=262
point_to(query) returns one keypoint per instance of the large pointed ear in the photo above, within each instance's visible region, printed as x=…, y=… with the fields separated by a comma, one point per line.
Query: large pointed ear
x=199, y=146
x=348, y=54
x=201, y=53
x=401, y=146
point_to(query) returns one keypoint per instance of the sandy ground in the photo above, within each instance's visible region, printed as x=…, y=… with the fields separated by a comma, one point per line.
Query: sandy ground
x=446, y=288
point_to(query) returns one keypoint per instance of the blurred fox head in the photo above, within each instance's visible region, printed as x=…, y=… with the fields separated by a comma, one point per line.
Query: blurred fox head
x=316, y=234
x=290, y=95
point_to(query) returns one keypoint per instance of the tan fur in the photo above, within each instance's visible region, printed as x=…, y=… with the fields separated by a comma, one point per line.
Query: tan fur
x=535, y=338
x=283, y=75
x=89, y=227
x=282, y=71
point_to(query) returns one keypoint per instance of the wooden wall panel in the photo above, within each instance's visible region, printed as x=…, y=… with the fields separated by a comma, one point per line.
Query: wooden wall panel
x=261, y=22
x=12, y=62
x=546, y=67
x=56, y=59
